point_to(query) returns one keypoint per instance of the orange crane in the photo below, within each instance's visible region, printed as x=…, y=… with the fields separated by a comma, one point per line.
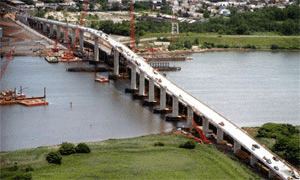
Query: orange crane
x=132, y=26
x=83, y=14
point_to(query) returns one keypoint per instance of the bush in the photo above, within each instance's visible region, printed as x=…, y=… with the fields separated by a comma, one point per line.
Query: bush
x=82, y=148
x=159, y=144
x=54, y=157
x=23, y=176
x=14, y=167
x=28, y=168
x=67, y=148
x=274, y=46
x=188, y=145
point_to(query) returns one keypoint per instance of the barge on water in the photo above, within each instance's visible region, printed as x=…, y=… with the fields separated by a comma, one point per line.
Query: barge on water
x=10, y=97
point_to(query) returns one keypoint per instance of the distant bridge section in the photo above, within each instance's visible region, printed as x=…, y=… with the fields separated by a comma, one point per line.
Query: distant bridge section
x=167, y=96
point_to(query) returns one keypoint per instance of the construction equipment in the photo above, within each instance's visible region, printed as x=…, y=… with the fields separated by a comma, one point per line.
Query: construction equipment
x=200, y=132
x=83, y=14
x=132, y=27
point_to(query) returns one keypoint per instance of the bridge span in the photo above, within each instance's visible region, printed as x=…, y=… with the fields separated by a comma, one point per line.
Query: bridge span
x=162, y=92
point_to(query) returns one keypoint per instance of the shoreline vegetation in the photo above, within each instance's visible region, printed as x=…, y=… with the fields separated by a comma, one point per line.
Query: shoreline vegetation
x=145, y=157
x=282, y=139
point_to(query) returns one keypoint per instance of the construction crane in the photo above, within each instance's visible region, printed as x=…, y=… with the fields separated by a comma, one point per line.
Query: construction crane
x=83, y=14
x=132, y=26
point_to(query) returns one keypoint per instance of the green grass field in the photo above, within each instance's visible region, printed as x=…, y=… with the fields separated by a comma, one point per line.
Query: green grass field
x=134, y=158
x=261, y=41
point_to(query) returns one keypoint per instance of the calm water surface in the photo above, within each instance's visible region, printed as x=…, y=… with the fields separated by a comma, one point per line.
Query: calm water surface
x=99, y=111
x=249, y=88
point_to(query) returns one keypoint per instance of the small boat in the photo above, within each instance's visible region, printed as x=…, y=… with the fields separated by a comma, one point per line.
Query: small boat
x=51, y=59
x=189, y=58
x=102, y=79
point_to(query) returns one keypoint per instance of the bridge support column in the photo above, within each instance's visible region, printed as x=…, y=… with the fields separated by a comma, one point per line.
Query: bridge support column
x=236, y=147
x=205, y=125
x=151, y=98
x=174, y=106
x=190, y=116
x=220, y=135
x=81, y=40
x=116, y=62
x=44, y=27
x=142, y=84
x=271, y=174
x=96, y=49
x=253, y=160
x=162, y=101
x=73, y=37
x=66, y=35
x=58, y=32
x=132, y=88
x=51, y=29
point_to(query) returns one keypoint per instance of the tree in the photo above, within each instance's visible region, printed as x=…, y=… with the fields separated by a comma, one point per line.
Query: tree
x=187, y=44
x=206, y=14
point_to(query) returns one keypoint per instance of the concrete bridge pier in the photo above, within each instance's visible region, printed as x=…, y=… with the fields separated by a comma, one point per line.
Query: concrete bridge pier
x=205, y=125
x=73, y=37
x=81, y=40
x=51, y=29
x=58, y=32
x=253, y=160
x=133, y=88
x=190, y=116
x=271, y=174
x=116, y=70
x=151, y=96
x=66, y=35
x=220, y=135
x=96, y=49
x=44, y=27
x=162, y=102
x=175, y=110
x=141, y=92
x=236, y=147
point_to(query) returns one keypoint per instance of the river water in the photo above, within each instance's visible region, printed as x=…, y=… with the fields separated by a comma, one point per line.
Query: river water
x=248, y=88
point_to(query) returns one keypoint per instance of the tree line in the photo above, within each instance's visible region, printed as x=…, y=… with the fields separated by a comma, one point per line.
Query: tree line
x=271, y=19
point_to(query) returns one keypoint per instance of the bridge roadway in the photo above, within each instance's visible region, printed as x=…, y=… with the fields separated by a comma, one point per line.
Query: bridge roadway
x=241, y=139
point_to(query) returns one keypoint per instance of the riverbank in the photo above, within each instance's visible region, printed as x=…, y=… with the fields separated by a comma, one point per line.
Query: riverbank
x=210, y=40
x=134, y=158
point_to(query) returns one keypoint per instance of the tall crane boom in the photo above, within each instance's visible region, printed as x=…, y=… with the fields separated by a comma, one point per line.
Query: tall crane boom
x=132, y=26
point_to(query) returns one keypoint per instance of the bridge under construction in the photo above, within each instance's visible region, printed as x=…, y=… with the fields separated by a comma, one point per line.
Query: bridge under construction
x=156, y=90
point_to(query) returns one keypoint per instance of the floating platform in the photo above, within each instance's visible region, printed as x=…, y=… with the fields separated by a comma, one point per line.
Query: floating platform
x=88, y=69
x=33, y=102
x=11, y=97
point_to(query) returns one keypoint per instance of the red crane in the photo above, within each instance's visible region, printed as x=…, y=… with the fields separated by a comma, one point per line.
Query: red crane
x=83, y=14
x=132, y=26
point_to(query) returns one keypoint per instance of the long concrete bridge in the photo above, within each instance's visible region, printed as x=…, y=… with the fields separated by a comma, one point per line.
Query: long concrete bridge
x=155, y=89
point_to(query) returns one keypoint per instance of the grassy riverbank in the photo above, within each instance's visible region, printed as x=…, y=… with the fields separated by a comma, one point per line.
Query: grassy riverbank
x=259, y=41
x=134, y=158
